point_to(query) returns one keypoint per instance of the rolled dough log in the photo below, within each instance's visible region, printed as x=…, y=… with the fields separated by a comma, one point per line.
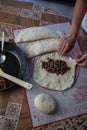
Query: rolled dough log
x=41, y=47
x=35, y=33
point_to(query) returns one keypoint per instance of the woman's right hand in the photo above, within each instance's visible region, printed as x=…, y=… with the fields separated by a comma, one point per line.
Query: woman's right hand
x=65, y=45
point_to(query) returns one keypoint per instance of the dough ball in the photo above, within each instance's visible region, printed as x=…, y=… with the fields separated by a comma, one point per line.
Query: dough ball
x=45, y=103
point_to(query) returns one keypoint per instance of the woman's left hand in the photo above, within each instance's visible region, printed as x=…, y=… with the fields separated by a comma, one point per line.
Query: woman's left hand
x=81, y=60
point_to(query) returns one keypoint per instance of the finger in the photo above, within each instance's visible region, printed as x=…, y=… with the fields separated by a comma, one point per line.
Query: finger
x=66, y=48
x=82, y=59
x=78, y=56
x=60, y=45
x=61, y=42
x=60, y=49
x=83, y=64
x=63, y=48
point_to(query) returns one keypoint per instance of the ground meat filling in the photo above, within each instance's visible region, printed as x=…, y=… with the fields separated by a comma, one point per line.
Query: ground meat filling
x=55, y=66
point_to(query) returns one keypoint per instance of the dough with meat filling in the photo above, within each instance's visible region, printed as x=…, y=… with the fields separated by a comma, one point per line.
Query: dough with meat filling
x=52, y=80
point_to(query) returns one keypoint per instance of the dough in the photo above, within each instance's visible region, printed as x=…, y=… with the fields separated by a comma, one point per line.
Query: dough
x=52, y=80
x=45, y=103
x=41, y=47
x=35, y=33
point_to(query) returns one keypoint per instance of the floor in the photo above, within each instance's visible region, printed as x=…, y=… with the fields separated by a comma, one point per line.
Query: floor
x=20, y=11
x=65, y=8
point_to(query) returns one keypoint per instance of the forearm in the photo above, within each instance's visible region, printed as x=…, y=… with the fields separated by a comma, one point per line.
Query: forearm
x=79, y=11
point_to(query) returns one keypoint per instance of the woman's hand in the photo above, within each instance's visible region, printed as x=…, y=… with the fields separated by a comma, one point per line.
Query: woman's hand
x=65, y=45
x=81, y=60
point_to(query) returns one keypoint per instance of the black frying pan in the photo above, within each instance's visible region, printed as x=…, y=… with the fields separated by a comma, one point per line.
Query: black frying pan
x=14, y=64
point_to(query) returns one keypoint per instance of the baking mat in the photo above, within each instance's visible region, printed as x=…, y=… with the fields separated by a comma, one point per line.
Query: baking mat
x=71, y=102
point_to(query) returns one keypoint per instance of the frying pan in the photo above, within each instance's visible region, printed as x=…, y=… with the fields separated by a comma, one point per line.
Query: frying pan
x=14, y=64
